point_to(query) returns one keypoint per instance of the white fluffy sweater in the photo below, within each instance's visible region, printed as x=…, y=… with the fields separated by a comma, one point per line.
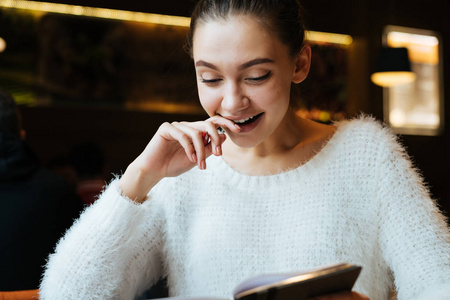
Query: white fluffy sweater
x=358, y=200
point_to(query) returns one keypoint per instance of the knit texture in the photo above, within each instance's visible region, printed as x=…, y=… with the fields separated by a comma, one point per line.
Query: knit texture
x=358, y=200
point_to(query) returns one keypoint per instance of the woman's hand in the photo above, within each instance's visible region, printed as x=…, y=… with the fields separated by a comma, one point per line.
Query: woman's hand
x=174, y=149
x=343, y=296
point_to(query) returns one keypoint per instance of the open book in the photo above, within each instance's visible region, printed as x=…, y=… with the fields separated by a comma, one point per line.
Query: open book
x=294, y=286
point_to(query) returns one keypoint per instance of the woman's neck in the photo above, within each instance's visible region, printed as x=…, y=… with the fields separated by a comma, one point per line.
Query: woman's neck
x=294, y=142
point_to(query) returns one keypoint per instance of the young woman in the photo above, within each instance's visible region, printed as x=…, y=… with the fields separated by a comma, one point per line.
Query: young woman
x=274, y=193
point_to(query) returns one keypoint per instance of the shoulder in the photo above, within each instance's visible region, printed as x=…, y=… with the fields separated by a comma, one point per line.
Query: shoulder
x=367, y=132
x=364, y=125
x=368, y=144
x=375, y=143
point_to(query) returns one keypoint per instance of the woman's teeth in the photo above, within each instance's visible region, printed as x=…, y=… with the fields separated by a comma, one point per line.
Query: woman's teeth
x=247, y=120
x=243, y=120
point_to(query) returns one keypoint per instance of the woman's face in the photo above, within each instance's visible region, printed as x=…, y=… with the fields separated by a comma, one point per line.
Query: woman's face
x=244, y=74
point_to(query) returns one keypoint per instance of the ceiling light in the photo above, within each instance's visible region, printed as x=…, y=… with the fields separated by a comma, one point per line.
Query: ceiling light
x=393, y=68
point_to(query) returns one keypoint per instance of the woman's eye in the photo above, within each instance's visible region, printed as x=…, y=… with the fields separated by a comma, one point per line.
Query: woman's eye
x=209, y=80
x=260, y=78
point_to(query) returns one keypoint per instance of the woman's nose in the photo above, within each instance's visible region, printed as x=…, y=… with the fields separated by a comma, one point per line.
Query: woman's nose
x=234, y=99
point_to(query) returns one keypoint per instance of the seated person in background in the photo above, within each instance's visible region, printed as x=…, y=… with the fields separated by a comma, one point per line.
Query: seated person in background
x=37, y=206
x=88, y=162
x=274, y=193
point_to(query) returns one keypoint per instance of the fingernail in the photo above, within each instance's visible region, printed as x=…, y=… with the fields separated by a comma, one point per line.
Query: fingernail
x=237, y=127
x=218, y=150
x=203, y=165
x=194, y=157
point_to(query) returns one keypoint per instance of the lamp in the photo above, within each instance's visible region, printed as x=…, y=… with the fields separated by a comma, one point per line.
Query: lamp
x=393, y=67
x=2, y=45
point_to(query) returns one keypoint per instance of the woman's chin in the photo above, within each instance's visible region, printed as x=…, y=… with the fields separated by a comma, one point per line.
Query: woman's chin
x=244, y=141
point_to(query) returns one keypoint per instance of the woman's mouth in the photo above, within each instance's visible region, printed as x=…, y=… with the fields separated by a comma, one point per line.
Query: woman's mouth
x=248, y=120
x=248, y=124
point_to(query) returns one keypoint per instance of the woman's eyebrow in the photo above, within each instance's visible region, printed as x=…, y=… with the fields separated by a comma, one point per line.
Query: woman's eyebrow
x=253, y=62
x=257, y=61
x=202, y=63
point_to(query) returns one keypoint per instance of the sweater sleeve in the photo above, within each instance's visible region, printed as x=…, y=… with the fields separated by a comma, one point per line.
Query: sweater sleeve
x=111, y=252
x=414, y=235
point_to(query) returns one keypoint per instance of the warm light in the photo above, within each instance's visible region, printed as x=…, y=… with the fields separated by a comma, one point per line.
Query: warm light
x=326, y=37
x=402, y=118
x=421, y=48
x=161, y=105
x=389, y=79
x=397, y=117
x=410, y=38
x=97, y=12
x=425, y=119
x=2, y=45
x=416, y=108
x=314, y=36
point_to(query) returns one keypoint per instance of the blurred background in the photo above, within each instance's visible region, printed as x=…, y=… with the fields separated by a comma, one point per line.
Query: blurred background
x=110, y=72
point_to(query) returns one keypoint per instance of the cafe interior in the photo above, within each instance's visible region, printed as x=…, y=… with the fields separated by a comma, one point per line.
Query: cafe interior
x=112, y=71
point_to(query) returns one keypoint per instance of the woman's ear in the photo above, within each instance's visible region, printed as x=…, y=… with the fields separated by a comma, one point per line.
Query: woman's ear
x=302, y=65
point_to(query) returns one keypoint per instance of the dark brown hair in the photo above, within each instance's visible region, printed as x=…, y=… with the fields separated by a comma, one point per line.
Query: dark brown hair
x=283, y=17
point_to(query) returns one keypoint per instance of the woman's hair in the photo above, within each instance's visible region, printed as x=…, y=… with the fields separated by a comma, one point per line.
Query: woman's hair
x=283, y=17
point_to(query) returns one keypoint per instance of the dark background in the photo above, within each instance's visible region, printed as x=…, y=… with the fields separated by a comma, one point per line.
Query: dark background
x=123, y=134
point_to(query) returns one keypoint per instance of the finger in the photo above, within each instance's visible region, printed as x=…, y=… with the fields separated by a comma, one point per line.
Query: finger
x=219, y=122
x=185, y=141
x=197, y=141
x=212, y=140
x=215, y=139
x=224, y=123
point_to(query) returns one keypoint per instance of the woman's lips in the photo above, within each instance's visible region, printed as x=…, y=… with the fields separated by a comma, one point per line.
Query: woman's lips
x=248, y=124
x=245, y=123
x=248, y=120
